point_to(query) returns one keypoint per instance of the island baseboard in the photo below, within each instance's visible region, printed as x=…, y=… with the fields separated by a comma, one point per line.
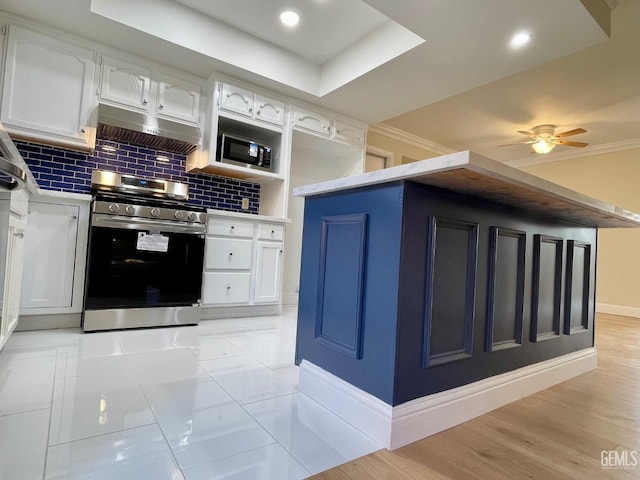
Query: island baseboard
x=394, y=427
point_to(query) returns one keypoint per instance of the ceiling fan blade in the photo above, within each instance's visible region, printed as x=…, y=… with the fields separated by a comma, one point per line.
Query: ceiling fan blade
x=568, y=133
x=519, y=143
x=571, y=144
x=528, y=134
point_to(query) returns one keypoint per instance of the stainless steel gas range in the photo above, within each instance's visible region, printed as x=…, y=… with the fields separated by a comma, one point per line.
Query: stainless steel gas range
x=145, y=256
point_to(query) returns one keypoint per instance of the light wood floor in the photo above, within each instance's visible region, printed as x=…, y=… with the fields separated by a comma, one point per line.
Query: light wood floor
x=558, y=433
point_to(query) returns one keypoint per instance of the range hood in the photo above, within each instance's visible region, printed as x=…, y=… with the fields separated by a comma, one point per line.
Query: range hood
x=137, y=128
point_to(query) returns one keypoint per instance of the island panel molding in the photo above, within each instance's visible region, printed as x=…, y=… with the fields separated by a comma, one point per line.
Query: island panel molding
x=547, y=284
x=505, y=288
x=452, y=249
x=578, y=295
x=342, y=261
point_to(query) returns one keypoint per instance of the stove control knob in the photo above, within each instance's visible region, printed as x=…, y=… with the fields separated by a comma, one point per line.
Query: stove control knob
x=155, y=212
x=114, y=208
x=192, y=217
x=179, y=215
x=130, y=210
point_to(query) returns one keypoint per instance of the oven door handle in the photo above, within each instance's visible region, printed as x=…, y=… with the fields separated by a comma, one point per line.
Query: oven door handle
x=128, y=223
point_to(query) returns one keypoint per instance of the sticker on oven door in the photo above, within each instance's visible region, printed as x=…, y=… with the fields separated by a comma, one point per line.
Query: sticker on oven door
x=152, y=242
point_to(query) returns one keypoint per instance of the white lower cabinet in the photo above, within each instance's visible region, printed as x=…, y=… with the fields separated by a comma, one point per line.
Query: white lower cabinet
x=13, y=215
x=54, y=261
x=226, y=287
x=268, y=272
x=243, y=261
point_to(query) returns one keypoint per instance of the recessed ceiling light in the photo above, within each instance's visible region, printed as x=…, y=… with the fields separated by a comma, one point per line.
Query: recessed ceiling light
x=520, y=39
x=289, y=18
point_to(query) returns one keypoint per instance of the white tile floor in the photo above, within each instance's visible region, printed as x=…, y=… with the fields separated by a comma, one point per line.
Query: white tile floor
x=216, y=401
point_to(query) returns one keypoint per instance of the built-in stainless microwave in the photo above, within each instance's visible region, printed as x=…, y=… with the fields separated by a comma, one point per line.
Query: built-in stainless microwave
x=242, y=152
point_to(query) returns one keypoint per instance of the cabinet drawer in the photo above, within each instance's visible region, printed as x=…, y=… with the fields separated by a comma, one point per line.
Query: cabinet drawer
x=228, y=253
x=270, y=232
x=229, y=227
x=226, y=287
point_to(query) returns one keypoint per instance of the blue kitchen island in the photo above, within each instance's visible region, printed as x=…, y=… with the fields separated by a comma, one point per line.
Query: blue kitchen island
x=436, y=291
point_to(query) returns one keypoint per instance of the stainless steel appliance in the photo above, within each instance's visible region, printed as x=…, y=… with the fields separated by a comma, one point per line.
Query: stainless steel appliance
x=244, y=153
x=146, y=253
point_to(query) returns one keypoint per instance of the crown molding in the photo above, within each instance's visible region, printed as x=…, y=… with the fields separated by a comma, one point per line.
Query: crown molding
x=411, y=139
x=577, y=153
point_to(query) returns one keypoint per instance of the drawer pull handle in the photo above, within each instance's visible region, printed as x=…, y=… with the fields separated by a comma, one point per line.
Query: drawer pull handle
x=230, y=254
x=228, y=288
x=232, y=227
x=273, y=232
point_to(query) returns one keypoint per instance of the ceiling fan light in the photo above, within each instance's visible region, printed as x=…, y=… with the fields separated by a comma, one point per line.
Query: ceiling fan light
x=542, y=146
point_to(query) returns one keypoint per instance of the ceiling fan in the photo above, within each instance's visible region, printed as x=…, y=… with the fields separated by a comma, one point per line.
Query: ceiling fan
x=544, y=139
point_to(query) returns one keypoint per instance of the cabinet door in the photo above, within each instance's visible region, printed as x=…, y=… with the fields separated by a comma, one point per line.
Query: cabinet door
x=236, y=100
x=269, y=110
x=48, y=86
x=49, y=262
x=13, y=276
x=304, y=119
x=268, y=272
x=125, y=84
x=349, y=134
x=178, y=99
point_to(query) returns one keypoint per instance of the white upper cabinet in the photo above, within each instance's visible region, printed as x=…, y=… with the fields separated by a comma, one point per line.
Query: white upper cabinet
x=325, y=124
x=251, y=105
x=178, y=99
x=137, y=87
x=304, y=119
x=125, y=84
x=48, y=88
x=269, y=110
x=348, y=133
x=237, y=100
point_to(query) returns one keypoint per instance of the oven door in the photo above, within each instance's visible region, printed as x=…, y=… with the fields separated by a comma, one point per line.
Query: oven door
x=137, y=263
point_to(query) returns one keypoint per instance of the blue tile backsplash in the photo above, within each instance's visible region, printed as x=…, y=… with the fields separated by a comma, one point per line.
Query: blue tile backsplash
x=61, y=169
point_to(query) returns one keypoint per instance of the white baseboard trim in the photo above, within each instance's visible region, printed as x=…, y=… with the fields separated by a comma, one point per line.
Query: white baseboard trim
x=290, y=298
x=621, y=310
x=394, y=427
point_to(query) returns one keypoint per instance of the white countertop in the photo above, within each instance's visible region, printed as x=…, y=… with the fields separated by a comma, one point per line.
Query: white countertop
x=54, y=194
x=470, y=173
x=247, y=216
